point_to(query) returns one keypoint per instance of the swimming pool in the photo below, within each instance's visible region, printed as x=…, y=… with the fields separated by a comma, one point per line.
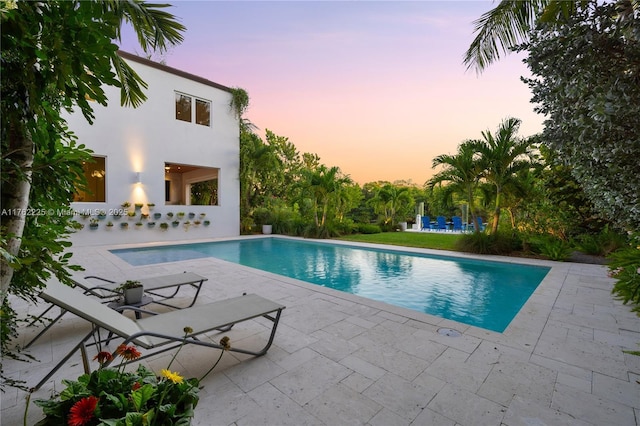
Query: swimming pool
x=480, y=293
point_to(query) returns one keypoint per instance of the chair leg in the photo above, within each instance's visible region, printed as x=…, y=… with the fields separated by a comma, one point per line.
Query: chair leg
x=44, y=330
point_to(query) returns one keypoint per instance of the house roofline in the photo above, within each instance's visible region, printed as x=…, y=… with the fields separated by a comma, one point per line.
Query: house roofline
x=170, y=70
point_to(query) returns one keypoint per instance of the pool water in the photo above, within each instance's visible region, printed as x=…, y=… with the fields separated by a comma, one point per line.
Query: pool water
x=480, y=293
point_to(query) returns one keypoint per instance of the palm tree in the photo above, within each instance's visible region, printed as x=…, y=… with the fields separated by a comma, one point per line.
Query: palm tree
x=462, y=171
x=323, y=185
x=391, y=199
x=501, y=157
x=507, y=25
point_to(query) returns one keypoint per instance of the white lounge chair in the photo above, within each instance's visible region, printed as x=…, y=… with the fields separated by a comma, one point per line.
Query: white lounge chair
x=105, y=290
x=160, y=332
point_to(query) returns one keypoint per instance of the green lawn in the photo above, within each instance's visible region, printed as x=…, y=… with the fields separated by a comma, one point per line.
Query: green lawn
x=430, y=240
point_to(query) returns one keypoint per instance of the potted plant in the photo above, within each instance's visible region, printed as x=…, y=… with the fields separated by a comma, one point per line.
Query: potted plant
x=132, y=291
x=124, y=225
x=164, y=226
x=125, y=205
x=109, y=225
x=180, y=215
x=144, y=216
x=170, y=215
x=117, y=214
x=157, y=216
x=196, y=222
x=175, y=223
x=138, y=206
x=191, y=215
x=202, y=215
x=115, y=396
x=151, y=224
x=102, y=214
x=93, y=223
x=131, y=215
x=138, y=225
x=206, y=223
x=151, y=206
x=187, y=224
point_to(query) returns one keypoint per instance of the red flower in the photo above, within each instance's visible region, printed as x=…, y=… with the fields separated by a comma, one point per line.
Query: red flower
x=103, y=357
x=128, y=352
x=136, y=386
x=82, y=411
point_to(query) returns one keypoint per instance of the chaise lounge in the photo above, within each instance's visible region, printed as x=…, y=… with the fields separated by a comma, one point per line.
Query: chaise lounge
x=107, y=290
x=160, y=332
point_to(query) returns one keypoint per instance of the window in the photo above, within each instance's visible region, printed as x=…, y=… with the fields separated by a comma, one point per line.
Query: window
x=183, y=107
x=95, y=174
x=184, y=110
x=192, y=185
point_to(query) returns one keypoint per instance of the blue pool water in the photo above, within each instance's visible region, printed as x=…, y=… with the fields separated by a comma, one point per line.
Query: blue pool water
x=480, y=293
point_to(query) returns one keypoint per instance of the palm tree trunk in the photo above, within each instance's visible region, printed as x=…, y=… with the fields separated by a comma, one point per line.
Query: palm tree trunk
x=496, y=212
x=15, y=200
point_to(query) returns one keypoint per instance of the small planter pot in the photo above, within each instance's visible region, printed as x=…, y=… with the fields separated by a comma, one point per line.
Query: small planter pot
x=206, y=223
x=151, y=224
x=93, y=226
x=192, y=215
x=133, y=295
x=164, y=226
x=266, y=229
x=175, y=223
x=124, y=225
x=157, y=216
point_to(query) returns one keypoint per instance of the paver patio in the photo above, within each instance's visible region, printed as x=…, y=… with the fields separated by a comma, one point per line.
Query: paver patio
x=340, y=359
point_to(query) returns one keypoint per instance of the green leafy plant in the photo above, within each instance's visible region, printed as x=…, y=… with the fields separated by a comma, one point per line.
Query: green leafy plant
x=125, y=205
x=624, y=266
x=164, y=226
x=113, y=396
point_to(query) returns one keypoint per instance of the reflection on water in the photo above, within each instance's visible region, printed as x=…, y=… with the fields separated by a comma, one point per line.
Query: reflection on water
x=484, y=294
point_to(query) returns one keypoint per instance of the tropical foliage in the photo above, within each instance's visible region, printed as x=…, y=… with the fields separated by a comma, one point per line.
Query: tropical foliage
x=56, y=55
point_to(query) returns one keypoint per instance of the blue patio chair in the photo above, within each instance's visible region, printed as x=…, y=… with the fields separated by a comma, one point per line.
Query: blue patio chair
x=426, y=223
x=480, y=223
x=441, y=223
x=457, y=223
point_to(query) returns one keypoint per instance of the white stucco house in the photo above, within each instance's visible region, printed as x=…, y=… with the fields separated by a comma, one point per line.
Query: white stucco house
x=179, y=151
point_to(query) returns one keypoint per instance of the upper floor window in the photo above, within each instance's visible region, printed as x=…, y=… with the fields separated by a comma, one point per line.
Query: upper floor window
x=185, y=111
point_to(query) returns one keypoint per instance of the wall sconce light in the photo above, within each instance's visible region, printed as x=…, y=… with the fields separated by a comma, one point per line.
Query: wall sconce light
x=138, y=178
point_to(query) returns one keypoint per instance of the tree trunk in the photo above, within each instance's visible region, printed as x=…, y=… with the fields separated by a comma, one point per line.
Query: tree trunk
x=15, y=201
x=496, y=213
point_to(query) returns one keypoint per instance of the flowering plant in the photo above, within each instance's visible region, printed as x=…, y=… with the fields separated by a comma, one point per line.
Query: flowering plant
x=115, y=397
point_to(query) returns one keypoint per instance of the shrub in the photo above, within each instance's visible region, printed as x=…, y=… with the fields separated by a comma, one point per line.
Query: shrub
x=601, y=244
x=483, y=243
x=366, y=228
x=624, y=266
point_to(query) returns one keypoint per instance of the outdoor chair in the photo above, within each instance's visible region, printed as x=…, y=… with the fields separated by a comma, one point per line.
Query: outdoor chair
x=159, y=332
x=441, y=223
x=106, y=290
x=426, y=222
x=457, y=223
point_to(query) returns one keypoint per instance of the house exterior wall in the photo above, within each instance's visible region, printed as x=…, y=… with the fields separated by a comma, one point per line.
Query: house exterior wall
x=142, y=140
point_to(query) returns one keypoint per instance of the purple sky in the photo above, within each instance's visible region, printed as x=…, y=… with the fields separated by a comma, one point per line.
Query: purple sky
x=375, y=88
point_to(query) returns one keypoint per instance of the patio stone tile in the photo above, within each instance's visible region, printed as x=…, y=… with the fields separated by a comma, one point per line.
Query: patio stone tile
x=276, y=409
x=628, y=340
x=363, y=367
x=292, y=340
x=357, y=320
x=310, y=379
x=393, y=360
x=357, y=381
x=466, y=408
x=421, y=346
x=463, y=342
x=430, y=417
x=332, y=347
x=575, y=382
x=622, y=391
x=251, y=373
x=522, y=412
x=401, y=396
x=344, y=329
x=386, y=417
x=226, y=405
x=518, y=378
x=452, y=367
x=288, y=360
x=341, y=405
x=598, y=410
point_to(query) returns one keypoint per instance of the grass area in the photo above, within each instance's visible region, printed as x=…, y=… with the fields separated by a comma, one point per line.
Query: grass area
x=430, y=240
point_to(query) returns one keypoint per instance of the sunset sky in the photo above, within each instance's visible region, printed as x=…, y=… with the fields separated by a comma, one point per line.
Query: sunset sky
x=375, y=88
